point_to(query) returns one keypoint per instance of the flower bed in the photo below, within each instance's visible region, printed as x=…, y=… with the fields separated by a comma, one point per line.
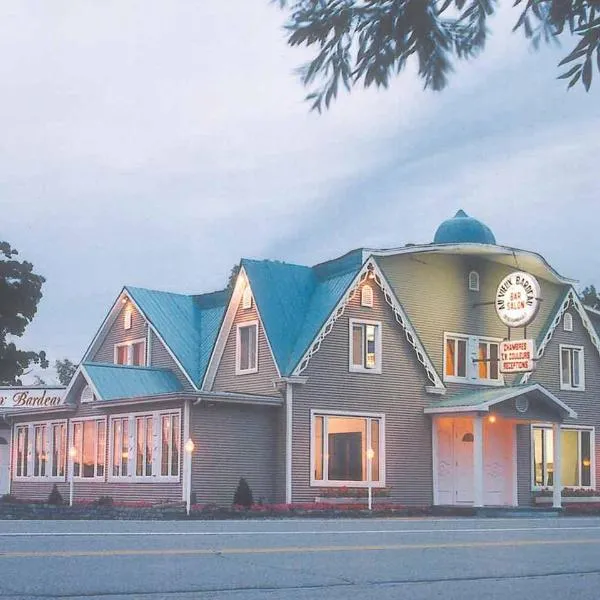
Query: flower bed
x=570, y=496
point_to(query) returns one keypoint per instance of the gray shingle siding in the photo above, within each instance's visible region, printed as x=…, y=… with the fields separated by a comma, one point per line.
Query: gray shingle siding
x=398, y=392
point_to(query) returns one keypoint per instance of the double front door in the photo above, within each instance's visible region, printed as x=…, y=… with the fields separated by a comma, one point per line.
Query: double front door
x=455, y=462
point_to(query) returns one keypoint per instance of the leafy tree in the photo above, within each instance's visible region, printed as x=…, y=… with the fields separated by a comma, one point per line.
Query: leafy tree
x=589, y=296
x=371, y=41
x=65, y=369
x=235, y=270
x=20, y=292
x=37, y=380
x=243, y=494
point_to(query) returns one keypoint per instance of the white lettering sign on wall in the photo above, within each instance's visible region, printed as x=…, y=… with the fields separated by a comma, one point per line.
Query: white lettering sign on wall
x=20, y=397
x=517, y=356
x=518, y=299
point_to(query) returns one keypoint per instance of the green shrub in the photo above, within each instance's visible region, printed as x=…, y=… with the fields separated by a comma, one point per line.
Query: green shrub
x=10, y=499
x=243, y=494
x=55, y=498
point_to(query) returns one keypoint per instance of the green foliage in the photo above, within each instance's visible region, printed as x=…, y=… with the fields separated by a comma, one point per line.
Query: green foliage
x=65, y=369
x=20, y=292
x=368, y=42
x=10, y=499
x=243, y=494
x=55, y=498
x=233, y=274
x=589, y=296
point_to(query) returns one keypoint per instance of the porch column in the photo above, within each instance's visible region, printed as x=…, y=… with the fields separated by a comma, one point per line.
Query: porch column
x=478, y=460
x=557, y=484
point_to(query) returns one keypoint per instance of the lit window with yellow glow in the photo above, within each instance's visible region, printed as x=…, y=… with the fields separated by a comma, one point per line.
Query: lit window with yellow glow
x=365, y=346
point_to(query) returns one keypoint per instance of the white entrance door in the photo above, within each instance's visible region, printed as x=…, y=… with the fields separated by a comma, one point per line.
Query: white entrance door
x=463, y=461
x=498, y=474
x=4, y=468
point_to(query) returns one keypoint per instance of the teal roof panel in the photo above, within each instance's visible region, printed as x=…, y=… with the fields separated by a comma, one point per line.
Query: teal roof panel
x=119, y=381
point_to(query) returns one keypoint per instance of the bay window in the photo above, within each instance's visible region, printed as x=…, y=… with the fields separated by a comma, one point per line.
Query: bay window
x=89, y=442
x=339, y=448
x=40, y=450
x=365, y=346
x=146, y=445
x=576, y=458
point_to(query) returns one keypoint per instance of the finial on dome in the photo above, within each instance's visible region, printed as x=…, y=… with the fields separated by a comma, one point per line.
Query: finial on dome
x=463, y=229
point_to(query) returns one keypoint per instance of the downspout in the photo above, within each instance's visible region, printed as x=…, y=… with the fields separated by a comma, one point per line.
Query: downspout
x=186, y=479
x=288, y=442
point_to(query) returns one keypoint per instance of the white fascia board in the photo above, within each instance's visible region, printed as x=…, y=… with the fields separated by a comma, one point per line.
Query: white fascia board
x=90, y=383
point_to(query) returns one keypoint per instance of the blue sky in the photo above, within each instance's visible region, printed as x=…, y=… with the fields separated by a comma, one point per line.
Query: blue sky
x=156, y=143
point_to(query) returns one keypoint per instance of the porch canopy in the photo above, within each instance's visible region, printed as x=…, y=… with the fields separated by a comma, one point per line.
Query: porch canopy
x=530, y=402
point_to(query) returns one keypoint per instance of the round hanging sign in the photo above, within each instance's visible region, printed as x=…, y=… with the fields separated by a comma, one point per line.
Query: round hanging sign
x=518, y=299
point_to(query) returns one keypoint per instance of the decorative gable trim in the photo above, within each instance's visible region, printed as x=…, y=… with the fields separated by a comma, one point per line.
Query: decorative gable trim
x=571, y=299
x=110, y=319
x=372, y=271
x=241, y=284
x=81, y=372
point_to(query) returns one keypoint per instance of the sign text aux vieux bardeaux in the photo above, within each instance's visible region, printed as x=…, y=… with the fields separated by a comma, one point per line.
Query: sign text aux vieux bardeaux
x=518, y=299
x=17, y=397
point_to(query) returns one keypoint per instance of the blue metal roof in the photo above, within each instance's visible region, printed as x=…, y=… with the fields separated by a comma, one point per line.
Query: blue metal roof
x=118, y=381
x=295, y=301
x=188, y=324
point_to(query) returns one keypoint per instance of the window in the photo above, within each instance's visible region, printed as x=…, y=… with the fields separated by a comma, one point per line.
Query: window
x=488, y=361
x=568, y=322
x=247, y=348
x=474, y=281
x=22, y=434
x=131, y=353
x=339, y=449
x=472, y=359
x=170, y=445
x=365, y=346
x=40, y=450
x=576, y=457
x=127, y=314
x=89, y=441
x=146, y=445
x=366, y=296
x=247, y=298
x=86, y=395
x=120, y=446
x=572, y=374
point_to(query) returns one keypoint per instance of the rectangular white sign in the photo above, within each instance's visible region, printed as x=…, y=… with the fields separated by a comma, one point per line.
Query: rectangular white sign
x=22, y=397
x=517, y=356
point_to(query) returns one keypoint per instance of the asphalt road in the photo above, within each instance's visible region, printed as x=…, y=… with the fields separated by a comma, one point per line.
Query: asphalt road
x=420, y=559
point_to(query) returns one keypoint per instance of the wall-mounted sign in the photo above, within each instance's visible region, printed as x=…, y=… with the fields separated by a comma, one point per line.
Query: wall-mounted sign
x=518, y=299
x=20, y=397
x=517, y=356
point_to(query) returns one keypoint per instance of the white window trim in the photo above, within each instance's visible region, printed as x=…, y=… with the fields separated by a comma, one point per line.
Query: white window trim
x=238, y=369
x=472, y=368
x=315, y=412
x=563, y=386
x=70, y=460
x=30, y=452
x=474, y=288
x=548, y=426
x=377, y=369
x=247, y=298
x=129, y=345
x=127, y=318
x=568, y=322
x=156, y=448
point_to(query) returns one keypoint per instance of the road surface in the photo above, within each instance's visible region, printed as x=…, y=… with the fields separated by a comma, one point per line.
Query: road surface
x=417, y=559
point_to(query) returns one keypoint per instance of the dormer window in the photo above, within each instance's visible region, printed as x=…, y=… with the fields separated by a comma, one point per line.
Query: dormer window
x=568, y=322
x=131, y=353
x=366, y=296
x=247, y=298
x=474, y=281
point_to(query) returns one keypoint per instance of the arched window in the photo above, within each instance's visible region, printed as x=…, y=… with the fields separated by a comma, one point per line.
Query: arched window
x=474, y=281
x=568, y=322
x=247, y=298
x=366, y=296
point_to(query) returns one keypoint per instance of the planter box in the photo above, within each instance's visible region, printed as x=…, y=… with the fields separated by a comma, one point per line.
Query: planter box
x=569, y=500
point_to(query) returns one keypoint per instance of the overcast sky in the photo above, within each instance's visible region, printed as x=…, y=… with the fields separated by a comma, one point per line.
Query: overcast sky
x=154, y=143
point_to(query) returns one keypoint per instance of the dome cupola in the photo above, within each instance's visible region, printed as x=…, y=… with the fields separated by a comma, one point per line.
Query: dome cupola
x=463, y=228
